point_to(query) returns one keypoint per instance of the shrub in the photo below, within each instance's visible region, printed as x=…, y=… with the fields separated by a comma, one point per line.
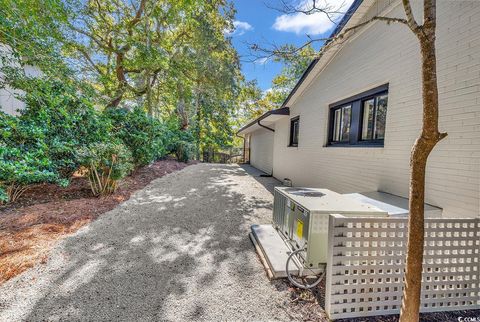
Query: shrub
x=179, y=142
x=142, y=134
x=184, y=151
x=20, y=170
x=107, y=163
x=66, y=119
x=23, y=161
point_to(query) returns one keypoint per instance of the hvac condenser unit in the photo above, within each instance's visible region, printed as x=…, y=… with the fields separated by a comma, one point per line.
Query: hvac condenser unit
x=301, y=215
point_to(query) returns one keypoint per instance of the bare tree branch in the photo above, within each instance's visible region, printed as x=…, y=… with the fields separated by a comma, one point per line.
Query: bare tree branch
x=327, y=9
x=329, y=41
x=410, y=18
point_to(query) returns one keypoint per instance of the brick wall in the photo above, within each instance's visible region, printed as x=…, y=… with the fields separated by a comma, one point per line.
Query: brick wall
x=383, y=54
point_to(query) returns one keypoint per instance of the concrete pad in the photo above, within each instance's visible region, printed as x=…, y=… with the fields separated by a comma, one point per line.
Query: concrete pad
x=274, y=249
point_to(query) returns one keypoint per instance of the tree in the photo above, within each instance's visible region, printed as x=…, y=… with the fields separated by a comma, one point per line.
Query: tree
x=424, y=144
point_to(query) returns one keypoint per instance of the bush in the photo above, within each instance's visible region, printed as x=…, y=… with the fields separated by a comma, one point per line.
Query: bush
x=23, y=161
x=107, y=163
x=142, y=134
x=66, y=119
x=179, y=143
x=41, y=145
x=20, y=170
x=184, y=151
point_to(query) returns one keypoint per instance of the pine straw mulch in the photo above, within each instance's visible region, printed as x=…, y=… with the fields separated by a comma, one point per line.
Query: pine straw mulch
x=46, y=213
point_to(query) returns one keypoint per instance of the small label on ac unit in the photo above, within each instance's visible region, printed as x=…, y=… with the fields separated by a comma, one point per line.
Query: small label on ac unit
x=299, y=228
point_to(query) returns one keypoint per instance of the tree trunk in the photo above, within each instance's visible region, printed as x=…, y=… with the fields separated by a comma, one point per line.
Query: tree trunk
x=429, y=137
x=181, y=108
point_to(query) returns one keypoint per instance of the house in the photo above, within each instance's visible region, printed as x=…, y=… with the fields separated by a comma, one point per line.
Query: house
x=351, y=120
x=9, y=103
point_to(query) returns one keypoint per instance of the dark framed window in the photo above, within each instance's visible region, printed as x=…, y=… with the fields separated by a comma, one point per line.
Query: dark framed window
x=360, y=119
x=342, y=117
x=374, y=116
x=294, y=127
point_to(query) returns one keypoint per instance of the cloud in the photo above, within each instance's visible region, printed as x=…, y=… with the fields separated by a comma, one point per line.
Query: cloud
x=261, y=61
x=239, y=28
x=314, y=24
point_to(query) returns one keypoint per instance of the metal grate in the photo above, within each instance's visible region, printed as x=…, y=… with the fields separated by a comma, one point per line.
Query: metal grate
x=367, y=258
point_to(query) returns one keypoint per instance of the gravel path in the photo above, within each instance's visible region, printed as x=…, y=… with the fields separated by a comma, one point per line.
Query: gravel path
x=178, y=250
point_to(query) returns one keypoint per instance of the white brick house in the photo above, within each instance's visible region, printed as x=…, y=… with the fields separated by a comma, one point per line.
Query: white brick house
x=347, y=144
x=8, y=101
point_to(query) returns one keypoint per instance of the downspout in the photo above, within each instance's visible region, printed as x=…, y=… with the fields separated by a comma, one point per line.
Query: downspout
x=243, y=138
x=265, y=127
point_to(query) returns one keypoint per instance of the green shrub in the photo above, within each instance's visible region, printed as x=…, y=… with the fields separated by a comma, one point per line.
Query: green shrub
x=65, y=119
x=106, y=163
x=23, y=158
x=142, y=134
x=184, y=151
x=178, y=142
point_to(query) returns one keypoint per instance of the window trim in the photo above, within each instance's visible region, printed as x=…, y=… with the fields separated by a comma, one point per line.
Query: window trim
x=356, y=119
x=290, y=140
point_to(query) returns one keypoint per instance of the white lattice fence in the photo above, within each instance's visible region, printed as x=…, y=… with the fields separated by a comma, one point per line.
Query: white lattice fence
x=367, y=259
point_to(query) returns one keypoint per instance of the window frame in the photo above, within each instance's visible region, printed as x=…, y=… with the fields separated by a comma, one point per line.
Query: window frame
x=356, y=119
x=333, y=123
x=291, y=142
x=362, y=115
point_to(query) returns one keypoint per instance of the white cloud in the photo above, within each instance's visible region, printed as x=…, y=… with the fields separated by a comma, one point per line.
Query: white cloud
x=239, y=28
x=261, y=61
x=314, y=24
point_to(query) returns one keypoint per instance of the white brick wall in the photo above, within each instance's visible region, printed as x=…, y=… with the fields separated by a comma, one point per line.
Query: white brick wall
x=8, y=97
x=383, y=54
x=261, y=150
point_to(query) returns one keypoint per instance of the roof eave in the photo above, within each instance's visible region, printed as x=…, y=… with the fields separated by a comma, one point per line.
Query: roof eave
x=278, y=111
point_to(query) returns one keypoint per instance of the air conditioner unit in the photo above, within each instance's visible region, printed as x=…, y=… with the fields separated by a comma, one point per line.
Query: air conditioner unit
x=301, y=215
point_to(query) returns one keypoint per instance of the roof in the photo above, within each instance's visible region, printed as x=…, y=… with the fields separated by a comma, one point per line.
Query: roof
x=335, y=32
x=266, y=116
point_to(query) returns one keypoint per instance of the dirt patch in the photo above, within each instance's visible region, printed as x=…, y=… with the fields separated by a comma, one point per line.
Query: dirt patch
x=46, y=213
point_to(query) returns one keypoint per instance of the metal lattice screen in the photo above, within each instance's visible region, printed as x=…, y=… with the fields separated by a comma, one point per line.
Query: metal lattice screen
x=367, y=259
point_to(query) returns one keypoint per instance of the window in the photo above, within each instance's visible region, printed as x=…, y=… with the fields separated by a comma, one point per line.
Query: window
x=360, y=119
x=374, y=117
x=294, y=125
x=341, y=123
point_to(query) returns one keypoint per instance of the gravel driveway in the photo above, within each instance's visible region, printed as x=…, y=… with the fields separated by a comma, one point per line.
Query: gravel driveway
x=177, y=250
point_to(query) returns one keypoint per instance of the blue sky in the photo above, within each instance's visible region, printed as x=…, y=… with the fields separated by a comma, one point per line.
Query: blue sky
x=257, y=23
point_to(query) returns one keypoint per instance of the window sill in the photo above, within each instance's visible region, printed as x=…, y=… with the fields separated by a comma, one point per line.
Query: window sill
x=358, y=145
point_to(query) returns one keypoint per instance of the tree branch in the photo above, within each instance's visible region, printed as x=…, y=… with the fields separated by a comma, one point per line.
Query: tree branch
x=89, y=60
x=411, y=23
x=329, y=42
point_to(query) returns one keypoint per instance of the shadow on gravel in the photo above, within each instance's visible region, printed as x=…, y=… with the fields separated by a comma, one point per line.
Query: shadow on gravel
x=167, y=240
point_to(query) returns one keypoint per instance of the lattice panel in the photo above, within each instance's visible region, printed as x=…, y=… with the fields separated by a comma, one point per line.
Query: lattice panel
x=367, y=259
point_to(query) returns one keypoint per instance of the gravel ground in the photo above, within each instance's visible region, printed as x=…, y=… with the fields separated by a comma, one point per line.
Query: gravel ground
x=177, y=250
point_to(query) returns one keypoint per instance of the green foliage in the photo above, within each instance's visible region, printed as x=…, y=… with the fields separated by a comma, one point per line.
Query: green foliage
x=107, y=163
x=142, y=134
x=172, y=58
x=64, y=118
x=23, y=159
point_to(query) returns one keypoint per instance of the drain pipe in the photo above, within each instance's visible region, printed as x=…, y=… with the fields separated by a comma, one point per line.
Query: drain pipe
x=243, y=138
x=265, y=127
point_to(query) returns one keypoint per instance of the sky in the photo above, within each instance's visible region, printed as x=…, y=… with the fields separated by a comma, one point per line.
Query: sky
x=256, y=22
